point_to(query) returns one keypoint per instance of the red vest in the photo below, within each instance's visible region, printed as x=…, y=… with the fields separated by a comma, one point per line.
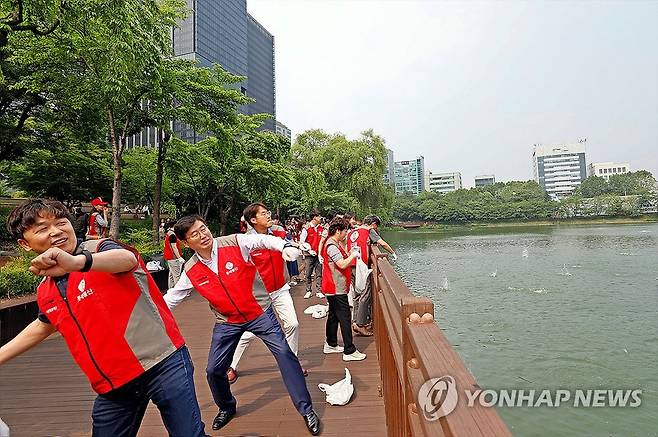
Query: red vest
x=270, y=264
x=335, y=279
x=92, y=226
x=359, y=237
x=168, y=251
x=231, y=292
x=313, y=236
x=116, y=326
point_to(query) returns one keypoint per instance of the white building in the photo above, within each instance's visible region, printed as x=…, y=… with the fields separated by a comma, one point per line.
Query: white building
x=607, y=169
x=559, y=169
x=443, y=182
x=282, y=129
x=389, y=176
x=487, y=179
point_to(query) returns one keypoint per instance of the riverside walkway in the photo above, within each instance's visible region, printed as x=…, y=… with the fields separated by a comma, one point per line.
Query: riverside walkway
x=43, y=393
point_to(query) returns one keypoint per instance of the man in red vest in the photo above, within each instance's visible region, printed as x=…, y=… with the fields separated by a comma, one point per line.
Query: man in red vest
x=312, y=235
x=223, y=271
x=98, y=223
x=272, y=270
x=99, y=296
x=362, y=237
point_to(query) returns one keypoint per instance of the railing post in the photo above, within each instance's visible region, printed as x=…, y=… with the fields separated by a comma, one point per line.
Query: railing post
x=418, y=307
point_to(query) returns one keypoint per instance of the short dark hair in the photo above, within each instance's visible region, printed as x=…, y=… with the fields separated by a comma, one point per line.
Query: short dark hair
x=251, y=211
x=313, y=214
x=349, y=215
x=185, y=223
x=25, y=215
x=337, y=225
x=372, y=219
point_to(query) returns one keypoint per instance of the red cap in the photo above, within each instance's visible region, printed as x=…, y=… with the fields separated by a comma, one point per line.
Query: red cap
x=98, y=201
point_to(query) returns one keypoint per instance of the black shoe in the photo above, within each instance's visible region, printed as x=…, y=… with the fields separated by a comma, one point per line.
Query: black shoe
x=312, y=423
x=222, y=418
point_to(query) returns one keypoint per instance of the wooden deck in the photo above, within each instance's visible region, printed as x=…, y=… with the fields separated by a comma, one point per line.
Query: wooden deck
x=43, y=393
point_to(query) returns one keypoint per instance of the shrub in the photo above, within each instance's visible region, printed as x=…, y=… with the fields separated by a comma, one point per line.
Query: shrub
x=15, y=279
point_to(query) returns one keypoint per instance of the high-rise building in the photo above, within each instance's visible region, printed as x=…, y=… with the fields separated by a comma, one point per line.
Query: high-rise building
x=561, y=168
x=409, y=176
x=282, y=129
x=389, y=176
x=222, y=32
x=607, y=169
x=443, y=182
x=487, y=179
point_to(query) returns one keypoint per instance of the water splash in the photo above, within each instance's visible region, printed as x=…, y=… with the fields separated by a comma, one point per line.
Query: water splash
x=445, y=285
x=565, y=271
x=494, y=274
x=524, y=252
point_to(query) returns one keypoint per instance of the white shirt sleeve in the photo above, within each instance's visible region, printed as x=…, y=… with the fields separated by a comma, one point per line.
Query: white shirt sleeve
x=178, y=292
x=303, y=235
x=250, y=242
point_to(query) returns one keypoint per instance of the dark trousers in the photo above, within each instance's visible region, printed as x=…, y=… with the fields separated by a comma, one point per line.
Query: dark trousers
x=312, y=263
x=225, y=339
x=169, y=384
x=339, y=314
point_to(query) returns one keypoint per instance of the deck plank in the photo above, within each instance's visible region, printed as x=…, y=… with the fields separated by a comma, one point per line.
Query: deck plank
x=43, y=393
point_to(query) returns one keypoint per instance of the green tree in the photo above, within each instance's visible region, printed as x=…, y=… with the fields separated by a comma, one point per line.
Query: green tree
x=593, y=186
x=70, y=173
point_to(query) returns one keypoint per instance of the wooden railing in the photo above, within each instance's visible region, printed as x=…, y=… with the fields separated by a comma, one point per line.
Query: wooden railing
x=412, y=349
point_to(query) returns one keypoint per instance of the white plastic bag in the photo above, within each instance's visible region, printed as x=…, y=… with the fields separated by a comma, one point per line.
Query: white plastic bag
x=4, y=429
x=341, y=392
x=154, y=266
x=362, y=275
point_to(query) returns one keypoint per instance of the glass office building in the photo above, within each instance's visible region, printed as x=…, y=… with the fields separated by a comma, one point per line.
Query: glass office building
x=222, y=32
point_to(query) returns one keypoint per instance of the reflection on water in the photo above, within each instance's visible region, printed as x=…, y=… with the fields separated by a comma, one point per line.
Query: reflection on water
x=577, y=309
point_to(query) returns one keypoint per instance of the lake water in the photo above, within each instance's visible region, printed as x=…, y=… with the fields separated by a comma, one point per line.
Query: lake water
x=555, y=307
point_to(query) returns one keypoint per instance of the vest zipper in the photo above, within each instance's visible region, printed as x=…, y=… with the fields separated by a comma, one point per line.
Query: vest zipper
x=68, y=306
x=231, y=299
x=273, y=270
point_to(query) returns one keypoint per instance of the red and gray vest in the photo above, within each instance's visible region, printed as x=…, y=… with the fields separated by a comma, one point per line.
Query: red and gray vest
x=116, y=325
x=359, y=237
x=234, y=294
x=168, y=252
x=313, y=236
x=270, y=263
x=101, y=232
x=338, y=280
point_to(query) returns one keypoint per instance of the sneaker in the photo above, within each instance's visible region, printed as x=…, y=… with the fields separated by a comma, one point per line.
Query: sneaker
x=319, y=294
x=232, y=375
x=361, y=331
x=354, y=356
x=308, y=294
x=332, y=349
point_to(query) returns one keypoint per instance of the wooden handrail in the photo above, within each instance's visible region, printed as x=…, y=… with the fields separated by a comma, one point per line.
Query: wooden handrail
x=412, y=349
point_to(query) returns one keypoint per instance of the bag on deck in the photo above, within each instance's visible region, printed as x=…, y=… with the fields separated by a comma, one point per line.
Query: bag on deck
x=341, y=392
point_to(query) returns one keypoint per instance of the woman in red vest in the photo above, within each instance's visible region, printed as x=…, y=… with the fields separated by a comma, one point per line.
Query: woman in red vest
x=98, y=223
x=336, y=285
x=101, y=299
x=172, y=254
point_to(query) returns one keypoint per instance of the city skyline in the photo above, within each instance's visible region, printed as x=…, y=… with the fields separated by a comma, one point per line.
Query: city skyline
x=472, y=86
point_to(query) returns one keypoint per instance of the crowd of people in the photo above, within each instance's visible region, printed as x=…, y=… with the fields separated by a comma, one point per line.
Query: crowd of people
x=98, y=294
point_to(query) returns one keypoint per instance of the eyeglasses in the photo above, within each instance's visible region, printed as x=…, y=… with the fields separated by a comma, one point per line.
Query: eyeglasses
x=197, y=234
x=265, y=213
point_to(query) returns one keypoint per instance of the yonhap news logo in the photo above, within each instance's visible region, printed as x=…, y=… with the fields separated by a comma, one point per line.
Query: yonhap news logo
x=438, y=397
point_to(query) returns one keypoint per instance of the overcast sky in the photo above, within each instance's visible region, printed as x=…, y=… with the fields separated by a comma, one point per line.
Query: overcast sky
x=472, y=85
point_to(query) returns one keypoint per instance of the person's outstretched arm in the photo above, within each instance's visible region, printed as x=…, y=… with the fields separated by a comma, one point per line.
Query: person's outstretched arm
x=32, y=335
